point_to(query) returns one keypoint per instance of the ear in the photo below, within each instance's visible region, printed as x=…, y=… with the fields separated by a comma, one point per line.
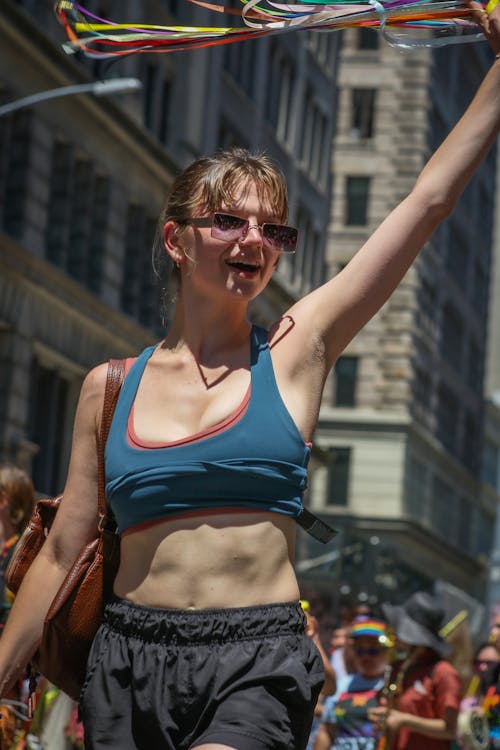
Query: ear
x=171, y=241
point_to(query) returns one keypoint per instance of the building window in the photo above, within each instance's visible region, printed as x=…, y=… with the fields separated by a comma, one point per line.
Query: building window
x=50, y=426
x=140, y=298
x=464, y=524
x=491, y=462
x=59, y=204
x=475, y=367
x=471, y=443
x=346, y=369
x=239, y=60
x=78, y=216
x=426, y=310
x=357, y=194
x=442, y=507
x=422, y=393
x=480, y=289
x=157, y=101
x=279, y=99
x=452, y=336
x=151, y=78
x=338, y=476
x=457, y=260
x=306, y=266
x=321, y=45
x=16, y=173
x=416, y=505
x=79, y=226
x=485, y=532
x=363, y=109
x=165, y=110
x=447, y=418
x=367, y=38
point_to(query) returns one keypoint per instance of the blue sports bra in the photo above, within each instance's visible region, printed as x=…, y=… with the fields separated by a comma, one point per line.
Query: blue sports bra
x=257, y=461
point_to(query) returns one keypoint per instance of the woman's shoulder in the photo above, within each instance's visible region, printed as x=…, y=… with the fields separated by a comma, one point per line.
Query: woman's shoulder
x=95, y=381
x=443, y=666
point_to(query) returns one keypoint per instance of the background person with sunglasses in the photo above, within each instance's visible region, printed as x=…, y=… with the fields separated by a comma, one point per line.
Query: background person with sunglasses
x=473, y=727
x=345, y=724
x=204, y=647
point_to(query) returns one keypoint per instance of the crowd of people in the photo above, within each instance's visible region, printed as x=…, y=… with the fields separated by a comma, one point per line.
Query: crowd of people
x=397, y=687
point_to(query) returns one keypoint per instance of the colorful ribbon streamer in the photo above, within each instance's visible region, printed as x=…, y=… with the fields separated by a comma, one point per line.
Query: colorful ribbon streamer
x=403, y=23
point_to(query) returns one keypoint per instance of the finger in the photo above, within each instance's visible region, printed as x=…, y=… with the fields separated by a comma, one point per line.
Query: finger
x=479, y=15
x=494, y=28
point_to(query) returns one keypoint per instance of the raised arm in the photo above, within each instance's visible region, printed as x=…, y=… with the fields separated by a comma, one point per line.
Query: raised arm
x=75, y=524
x=335, y=312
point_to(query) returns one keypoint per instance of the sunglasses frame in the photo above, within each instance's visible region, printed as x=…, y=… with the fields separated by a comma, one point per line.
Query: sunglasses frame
x=209, y=222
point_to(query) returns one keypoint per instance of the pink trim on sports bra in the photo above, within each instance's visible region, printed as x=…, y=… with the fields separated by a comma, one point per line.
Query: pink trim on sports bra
x=136, y=442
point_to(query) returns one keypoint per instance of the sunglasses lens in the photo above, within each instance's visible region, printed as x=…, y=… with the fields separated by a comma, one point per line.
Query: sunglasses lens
x=367, y=651
x=484, y=664
x=280, y=237
x=228, y=228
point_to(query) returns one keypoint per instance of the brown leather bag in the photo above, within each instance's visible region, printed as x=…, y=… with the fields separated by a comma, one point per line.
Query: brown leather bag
x=76, y=611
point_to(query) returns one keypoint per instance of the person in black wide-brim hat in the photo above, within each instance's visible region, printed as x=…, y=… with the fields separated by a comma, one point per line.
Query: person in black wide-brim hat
x=426, y=704
x=417, y=622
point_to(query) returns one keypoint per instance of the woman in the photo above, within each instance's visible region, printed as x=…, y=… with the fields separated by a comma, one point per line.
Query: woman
x=17, y=498
x=429, y=687
x=485, y=665
x=491, y=707
x=473, y=728
x=345, y=724
x=204, y=646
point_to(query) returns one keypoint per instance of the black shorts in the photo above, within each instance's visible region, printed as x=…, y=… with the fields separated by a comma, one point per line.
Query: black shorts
x=167, y=679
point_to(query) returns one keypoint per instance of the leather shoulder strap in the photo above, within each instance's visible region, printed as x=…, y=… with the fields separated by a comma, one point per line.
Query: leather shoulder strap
x=114, y=380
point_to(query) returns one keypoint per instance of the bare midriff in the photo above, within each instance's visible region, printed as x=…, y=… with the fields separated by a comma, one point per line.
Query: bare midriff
x=229, y=559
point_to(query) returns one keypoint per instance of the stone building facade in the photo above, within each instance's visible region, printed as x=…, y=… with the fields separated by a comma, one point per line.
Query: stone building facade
x=402, y=423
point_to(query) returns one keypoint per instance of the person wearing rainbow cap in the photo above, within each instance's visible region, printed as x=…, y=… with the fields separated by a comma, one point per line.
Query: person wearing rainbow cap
x=345, y=724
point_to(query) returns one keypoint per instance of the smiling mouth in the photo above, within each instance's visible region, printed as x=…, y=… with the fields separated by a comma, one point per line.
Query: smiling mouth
x=247, y=267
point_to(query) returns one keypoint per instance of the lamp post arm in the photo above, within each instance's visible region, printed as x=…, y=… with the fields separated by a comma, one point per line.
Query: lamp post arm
x=99, y=88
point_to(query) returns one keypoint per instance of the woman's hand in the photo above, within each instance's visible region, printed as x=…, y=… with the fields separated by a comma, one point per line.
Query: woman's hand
x=489, y=23
x=384, y=718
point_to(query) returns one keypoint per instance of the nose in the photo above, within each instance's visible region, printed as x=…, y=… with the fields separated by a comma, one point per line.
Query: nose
x=253, y=236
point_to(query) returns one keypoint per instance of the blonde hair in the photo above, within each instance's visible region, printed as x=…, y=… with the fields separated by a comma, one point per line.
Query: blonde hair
x=20, y=493
x=209, y=183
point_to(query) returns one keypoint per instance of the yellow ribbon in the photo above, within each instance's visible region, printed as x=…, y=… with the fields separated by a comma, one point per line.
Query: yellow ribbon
x=491, y=5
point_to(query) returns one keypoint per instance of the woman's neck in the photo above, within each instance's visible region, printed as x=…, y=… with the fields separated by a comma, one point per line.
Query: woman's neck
x=207, y=330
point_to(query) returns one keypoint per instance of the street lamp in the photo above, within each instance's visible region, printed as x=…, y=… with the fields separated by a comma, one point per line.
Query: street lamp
x=98, y=88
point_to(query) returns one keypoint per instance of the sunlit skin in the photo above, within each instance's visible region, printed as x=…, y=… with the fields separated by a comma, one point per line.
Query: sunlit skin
x=338, y=639
x=209, y=265
x=369, y=665
x=247, y=558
